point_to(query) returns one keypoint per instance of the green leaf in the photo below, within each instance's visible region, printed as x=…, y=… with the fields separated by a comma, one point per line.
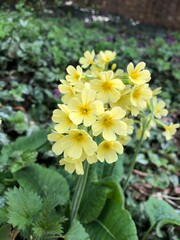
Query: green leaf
x=48, y=222
x=32, y=142
x=95, y=198
x=115, y=170
x=76, y=231
x=28, y=143
x=3, y=215
x=46, y=182
x=5, y=231
x=93, y=202
x=22, y=207
x=161, y=213
x=114, y=223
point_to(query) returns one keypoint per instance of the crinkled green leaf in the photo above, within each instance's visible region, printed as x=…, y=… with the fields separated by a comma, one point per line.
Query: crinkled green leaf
x=112, y=219
x=22, y=207
x=95, y=198
x=77, y=231
x=161, y=213
x=114, y=223
x=49, y=221
x=46, y=182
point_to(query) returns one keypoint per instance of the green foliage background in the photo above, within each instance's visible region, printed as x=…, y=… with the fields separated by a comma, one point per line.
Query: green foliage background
x=36, y=46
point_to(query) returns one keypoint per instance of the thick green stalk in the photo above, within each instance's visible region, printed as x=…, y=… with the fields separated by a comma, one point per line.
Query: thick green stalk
x=148, y=232
x=144, y=127
x=81, y=183
x=133, y=160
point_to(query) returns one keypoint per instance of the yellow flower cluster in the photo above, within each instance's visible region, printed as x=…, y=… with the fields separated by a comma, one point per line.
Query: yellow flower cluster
x=94, y=120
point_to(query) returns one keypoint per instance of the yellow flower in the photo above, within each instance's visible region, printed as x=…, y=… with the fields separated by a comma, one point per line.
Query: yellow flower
x=124, y=101
x=62, y=117
x=0, y=121
x=85, y=109
x=87, y=59
x=159, y=110
x=140, y=95
x=146, y=133
x=72, y=164
x=106, y=57
x=124, y=140
x=77, y=142
x=107, y=87
x=137, y=75
x=67, y=90
x=107, y=151
x=156, y=91
x=109, y=124
x=170, y=130
x=75, y=74
x=56, y=137
x=129, y=123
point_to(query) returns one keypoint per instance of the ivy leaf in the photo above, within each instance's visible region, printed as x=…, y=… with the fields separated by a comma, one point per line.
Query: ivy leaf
x=114, y=223
x=46, y=182
x=161, y=213
x=76, y=231
x=22, y=206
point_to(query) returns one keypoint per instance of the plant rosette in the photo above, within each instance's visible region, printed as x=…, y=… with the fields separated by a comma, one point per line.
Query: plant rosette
x=100, y=107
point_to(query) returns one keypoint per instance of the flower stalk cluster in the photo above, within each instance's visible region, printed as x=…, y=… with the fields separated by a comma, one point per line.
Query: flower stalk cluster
x=99, y=103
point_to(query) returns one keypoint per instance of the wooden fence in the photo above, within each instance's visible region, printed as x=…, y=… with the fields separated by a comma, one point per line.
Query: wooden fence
x=164, y=13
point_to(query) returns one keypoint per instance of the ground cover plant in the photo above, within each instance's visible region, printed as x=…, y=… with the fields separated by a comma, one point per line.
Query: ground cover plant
x=36, y=193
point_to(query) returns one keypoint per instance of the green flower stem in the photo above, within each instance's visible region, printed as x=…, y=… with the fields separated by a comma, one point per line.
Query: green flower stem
x=144, y=127
x=148, y=232
x=81, y=183
x=134, y=160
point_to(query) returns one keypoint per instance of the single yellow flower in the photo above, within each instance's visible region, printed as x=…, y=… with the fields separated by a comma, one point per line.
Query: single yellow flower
x=124, y=101
x=56, y=137
x=107, y=151
x=85, y=109
x=62, y=117
x=124, y=140
x=107, y=87
x=67, y=90
x=159, y=110
x=140, y=95
x=88, y=59
x=72, y=164
x=156, y=91
x=0, y=121
x=137, y=75
x=76, y=142
x=75, y=74
x=130, y=124
x=170, y=130
x=106, y=57
x=109, y=124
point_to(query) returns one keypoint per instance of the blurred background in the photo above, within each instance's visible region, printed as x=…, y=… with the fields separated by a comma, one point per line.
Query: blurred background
x=39, y=39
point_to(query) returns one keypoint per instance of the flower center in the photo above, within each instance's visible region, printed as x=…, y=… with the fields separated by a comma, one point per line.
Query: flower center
x=107, y=86
x=79, y=137
x=135, y=75
x=107, y=122
x=85, y=110
x=137, y=94
x=107, y=145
